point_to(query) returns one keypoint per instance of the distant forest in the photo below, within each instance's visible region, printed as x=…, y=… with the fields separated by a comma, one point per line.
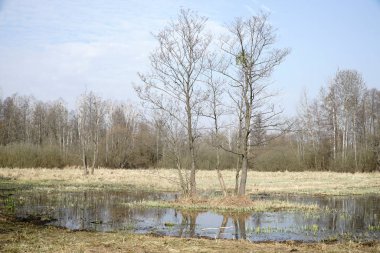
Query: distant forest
x=206, y=104
x=337, y=131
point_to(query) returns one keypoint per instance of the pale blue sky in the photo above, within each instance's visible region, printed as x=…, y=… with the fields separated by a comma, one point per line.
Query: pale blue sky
x=60, y=48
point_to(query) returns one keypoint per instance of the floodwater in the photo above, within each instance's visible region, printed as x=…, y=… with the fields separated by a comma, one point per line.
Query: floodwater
x=347, y=218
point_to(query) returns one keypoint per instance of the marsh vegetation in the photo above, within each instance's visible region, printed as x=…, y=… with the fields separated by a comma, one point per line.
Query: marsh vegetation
x=209, y=119
x=115, y=204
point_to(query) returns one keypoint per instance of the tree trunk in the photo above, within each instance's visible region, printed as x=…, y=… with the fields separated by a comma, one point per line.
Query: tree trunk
x=182, y=182
x=238, y=161
x=193, y=189
x=193, y=223
x=220, y=176
x=335, y=129
x=222, y=226
x=237, y=175
x=107, y=147
x=236, y=226
x=95, y=157
x=344, y=143
x=84, y=159
x=242, y=230
x=244, y=165
x=355, y=148
x=243, y=178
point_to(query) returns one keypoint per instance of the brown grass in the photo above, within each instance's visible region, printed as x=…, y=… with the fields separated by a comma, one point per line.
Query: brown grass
x=22, y=237
x=241, y=201
x=330, y=183
x=230, y=204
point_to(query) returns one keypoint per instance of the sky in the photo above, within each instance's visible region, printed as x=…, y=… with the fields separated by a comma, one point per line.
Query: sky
x=55, y=49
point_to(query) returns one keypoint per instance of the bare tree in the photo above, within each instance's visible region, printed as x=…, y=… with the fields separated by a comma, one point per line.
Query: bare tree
x=350, y=88
x=337, y=124
x=238, y=104
x=312, y=124
x=91, y=113
x=216, y=110
x=176, y=69
x=331, y=105
x=175, y=140
x=57, y=121
x=250, y=61
x=11, y=120
x=373, y=117
x=120, y=137
x=39, y=123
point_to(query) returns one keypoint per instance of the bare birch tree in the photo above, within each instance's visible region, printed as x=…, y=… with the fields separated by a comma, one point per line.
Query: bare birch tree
x=215, y=110
x=120, y=138
x=350, y=89
x=177, y=65
x=91, y=113
x=175, y=140
x=250, y=62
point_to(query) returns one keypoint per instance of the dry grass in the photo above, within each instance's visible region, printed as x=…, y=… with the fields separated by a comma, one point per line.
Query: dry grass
x=227, y=204
x=330, y=183
x=22, y=237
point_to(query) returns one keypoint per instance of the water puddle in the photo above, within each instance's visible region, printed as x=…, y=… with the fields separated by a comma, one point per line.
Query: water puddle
x=348, y=218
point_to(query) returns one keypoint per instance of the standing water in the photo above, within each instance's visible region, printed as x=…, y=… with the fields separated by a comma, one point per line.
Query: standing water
x=340, y=218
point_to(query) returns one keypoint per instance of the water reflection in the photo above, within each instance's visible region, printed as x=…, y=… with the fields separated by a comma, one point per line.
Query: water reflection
x=347, y=218
x=188, y=224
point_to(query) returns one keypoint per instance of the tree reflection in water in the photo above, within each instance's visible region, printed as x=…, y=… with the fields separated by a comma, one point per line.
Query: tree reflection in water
x=104, y=211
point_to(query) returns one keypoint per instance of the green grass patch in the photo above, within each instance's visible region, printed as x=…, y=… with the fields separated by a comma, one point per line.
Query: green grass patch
x=374, y=228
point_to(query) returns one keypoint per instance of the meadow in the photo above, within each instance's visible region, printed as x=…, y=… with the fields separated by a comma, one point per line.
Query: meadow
x=319, y=183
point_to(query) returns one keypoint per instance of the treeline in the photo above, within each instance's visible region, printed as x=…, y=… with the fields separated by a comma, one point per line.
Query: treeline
x=207, y=106
x=97, y=133
x=340, y=129
x=337, y=131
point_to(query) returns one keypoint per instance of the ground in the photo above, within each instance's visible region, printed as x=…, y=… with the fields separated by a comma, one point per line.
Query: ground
x=328, y=183
x=26, y=237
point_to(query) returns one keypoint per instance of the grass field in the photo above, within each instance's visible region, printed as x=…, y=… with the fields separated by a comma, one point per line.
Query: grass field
x=328, y=183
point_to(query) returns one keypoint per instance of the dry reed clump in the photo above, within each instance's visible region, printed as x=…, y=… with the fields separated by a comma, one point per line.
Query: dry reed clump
x=231, y=204
x=241, y=201
x=228, y=201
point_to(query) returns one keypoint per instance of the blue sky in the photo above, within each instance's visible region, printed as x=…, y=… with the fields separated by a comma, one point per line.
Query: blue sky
x=55, y=48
